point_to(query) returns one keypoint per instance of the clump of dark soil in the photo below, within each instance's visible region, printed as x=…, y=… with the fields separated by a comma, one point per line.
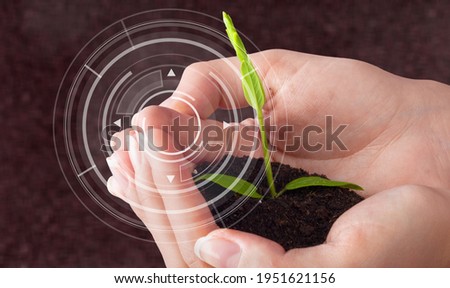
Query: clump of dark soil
x=298, y=218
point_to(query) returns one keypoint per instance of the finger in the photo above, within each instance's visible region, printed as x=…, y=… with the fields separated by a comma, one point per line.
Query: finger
x=120, y=166
x=148, y=206
x=130, y=181
x=120, y=144
x=203, y=140
x=206, y=86
x=227, y=248
x=188, y=213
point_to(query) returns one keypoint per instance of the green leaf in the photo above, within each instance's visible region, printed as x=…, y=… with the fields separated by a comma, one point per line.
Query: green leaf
x=235, y=184
x=235, y=40
x=239, y=47
x=251, y=83
x=319, y=181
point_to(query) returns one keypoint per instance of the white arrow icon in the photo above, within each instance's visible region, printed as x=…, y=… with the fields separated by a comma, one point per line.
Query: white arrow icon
x=170, y=178
x=226, y=125
x=171, y=73
x=118, y=123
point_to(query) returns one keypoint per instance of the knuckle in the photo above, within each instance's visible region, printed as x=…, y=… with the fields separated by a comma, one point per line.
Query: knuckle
x=355, y=248
x=416, y=197
x=353, y=64
x=155, y=116
x=195, y=68
x=189, y=257
x=119, y=135
x=275, y=52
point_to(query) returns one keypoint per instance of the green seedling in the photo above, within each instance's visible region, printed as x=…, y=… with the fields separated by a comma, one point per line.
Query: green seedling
x=255, y=96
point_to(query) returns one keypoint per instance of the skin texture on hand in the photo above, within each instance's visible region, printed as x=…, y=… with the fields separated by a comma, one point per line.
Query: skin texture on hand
x=397, y=142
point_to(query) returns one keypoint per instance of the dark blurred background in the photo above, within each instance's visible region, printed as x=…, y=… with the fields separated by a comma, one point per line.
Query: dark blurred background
x=42, y=223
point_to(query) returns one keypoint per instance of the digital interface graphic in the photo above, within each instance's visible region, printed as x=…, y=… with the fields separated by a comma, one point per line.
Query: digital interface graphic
x=136, y=62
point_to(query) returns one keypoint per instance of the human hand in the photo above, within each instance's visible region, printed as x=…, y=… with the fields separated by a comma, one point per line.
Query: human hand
x=376, y=105
x=392, y=122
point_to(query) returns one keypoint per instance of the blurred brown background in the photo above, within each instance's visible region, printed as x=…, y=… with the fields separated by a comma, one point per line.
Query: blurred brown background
x=42, y=223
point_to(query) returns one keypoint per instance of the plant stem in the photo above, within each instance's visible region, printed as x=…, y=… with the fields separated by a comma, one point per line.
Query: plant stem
x=265, y=146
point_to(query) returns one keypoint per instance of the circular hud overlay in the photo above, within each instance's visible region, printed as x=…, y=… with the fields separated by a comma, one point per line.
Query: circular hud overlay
x=136, y=62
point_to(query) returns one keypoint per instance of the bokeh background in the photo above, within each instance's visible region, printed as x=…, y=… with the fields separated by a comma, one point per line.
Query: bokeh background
x=42, y=223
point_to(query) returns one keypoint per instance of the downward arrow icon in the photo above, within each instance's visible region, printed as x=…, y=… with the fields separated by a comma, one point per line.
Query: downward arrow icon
x=170, y=178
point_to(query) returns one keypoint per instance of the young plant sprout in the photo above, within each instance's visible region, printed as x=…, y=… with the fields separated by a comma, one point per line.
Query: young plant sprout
x=255, y=96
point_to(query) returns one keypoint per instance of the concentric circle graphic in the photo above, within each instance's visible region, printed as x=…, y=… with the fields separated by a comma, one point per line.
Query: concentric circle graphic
x=134, y=63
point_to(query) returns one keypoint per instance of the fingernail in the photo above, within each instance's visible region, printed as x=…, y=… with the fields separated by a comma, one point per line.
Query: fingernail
x=167, y=103
x=176, y=105
x=134, y=120
x=115, y=142
x=119, y=177
x=218, y=252
x=113, y=186
x=134, y=153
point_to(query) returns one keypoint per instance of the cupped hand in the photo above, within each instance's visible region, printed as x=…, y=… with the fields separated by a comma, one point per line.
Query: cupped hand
x=394, y=135
x=395, y=130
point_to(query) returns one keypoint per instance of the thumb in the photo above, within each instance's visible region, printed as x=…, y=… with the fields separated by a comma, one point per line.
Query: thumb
x=226, y=248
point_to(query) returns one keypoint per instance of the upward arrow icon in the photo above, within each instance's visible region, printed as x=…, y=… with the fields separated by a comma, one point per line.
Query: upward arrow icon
x=171, y=73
